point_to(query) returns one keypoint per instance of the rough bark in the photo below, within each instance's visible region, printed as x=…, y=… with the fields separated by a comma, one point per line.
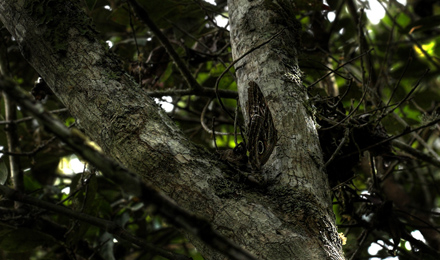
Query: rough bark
x=289, y=219
x=302, y=189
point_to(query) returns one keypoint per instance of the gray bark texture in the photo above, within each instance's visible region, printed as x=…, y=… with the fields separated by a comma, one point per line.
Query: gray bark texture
x=291, y=218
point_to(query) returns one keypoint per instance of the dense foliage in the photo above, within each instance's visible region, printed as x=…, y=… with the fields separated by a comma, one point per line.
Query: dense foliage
x=373, y=90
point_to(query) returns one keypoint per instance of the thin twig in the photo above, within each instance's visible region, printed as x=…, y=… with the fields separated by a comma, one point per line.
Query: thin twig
x=405, y=132
x=411, y=38
x=233, y=63
x=364, y=235
x=350, y=80
x=31, y=153
x=202, y=121
x=106, y=225
x=137, y=48
x=25, y=119
x=374, y=172
x=385, y=65
x=416, y=153
x=349, y=115
x=143, y=16
x=341, y=144
x=189, y=35
x=339, y=67
x=400, y=78
x=409, y=94
x=213, y=133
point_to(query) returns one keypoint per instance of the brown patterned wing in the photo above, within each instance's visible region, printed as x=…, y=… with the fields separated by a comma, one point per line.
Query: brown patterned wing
x=262, y=135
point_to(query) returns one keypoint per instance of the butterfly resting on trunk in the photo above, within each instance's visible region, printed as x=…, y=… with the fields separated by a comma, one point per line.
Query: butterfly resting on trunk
x=261, y=132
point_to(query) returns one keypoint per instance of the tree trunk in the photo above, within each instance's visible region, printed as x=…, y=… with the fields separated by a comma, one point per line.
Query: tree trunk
x=290, y=218
x=301, y=190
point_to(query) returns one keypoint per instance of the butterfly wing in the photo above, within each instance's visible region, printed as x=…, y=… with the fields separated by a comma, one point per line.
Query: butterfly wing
x=262, y=135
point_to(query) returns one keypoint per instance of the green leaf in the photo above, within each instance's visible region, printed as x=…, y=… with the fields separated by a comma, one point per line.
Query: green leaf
x=69, y=121
x=403, y=20
x=30, y=183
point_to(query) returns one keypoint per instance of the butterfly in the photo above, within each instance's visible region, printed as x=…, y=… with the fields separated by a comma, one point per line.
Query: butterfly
x=262, y=135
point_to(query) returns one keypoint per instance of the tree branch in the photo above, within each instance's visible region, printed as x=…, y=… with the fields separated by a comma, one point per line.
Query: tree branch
x=144, y=17
x=128, y=180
